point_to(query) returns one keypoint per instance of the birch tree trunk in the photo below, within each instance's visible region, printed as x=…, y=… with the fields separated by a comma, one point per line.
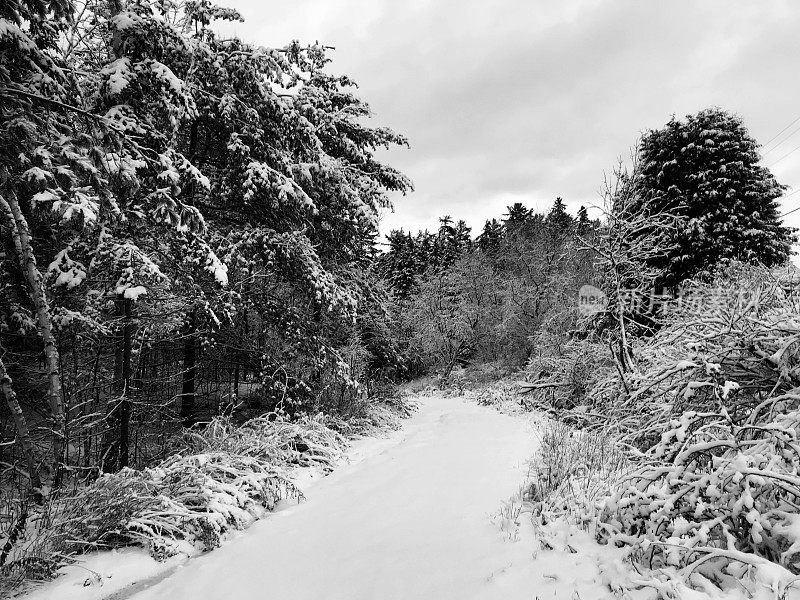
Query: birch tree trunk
x=21, y=425
x=21, y=236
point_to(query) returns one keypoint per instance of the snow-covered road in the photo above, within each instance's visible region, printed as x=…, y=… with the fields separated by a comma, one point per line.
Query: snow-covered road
x=408, y=520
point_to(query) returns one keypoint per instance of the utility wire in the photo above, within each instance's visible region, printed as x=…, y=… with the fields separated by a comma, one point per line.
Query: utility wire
x=786, y=214
x=792, y=151
x=780, y=132
x=787, y=195
x=783, y=141
x=790, y=212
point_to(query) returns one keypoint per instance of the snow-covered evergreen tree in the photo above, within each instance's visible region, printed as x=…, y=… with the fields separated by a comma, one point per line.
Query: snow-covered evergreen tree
x=161, y=183
x=517, y=215
x=46, y=168
x=463, y=238
x=705, y=169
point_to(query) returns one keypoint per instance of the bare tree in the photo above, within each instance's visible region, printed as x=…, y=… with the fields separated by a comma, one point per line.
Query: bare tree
x=629, y=245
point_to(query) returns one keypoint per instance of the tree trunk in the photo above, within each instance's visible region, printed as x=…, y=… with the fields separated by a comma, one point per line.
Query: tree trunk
x=86, y=410
x=109, y=456
x=22, y=242
x=23, y=433
x=128, y=330
x=188, y=408
x=235, y=396
x=116, y=440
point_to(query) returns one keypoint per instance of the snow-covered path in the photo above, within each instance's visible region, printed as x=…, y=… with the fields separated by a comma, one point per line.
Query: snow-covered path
x=409, y=521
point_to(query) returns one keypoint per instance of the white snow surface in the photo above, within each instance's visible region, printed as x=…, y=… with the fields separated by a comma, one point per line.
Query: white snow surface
x=410, y=519
x=416, y=516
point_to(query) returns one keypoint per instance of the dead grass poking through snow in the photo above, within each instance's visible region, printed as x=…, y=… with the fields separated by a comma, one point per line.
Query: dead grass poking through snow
x=573, y=471
x=569, y=479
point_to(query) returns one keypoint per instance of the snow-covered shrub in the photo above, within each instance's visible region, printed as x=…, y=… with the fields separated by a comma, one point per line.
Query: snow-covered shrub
x=714, y=410
x=24, y=551
x=559, y=376
x=221, y=478
x=560, y=502
x=204, y=496
x=194, y=499
x=714, y=491
x=373, y=418
x=305, y=441
x=740, y=328
x=502, y=395
x=498, y=394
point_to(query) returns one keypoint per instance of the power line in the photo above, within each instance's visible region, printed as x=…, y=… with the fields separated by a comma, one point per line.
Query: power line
x=789, y=196
x=792, y=151
x=790, y=212
x=780, y=132
x=783, y=141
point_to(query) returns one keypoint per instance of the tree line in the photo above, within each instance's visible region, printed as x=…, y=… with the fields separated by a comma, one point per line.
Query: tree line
x=459, y=300
x=692, y=198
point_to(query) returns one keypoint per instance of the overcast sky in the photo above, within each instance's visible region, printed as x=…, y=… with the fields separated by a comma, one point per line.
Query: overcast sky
x=506, y=101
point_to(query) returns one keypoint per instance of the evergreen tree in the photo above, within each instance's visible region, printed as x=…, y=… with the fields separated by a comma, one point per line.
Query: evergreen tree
x=447, y=243
x=425, y=251
x=462, y=237
x=518, y=221
x=583, y=224
x=490, y=237
x=705, y=170
x=558, y=219
x=517, y=215
x=399, y=265
x=159, y=183
x=41, y=139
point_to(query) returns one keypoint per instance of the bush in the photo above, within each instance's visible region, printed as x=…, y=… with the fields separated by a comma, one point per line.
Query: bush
x=713, y=491
x=221, y=478
x=713, y=408
x=561, y=375
x=708, y=416
x=184, y=502
x=307, y=441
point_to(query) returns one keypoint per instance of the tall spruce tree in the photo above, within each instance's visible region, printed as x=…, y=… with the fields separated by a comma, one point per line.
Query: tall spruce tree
x=490, y=237
x=517, y=215
x=558, y=219
x=462, y=236
x=705, y=169
x=447, y=245
x=399, y=265
x=583, y=225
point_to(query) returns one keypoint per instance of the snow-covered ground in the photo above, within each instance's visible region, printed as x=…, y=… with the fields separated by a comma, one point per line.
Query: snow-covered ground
x=413, y=516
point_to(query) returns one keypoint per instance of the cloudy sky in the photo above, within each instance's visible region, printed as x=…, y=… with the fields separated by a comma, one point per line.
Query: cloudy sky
x=507, y=101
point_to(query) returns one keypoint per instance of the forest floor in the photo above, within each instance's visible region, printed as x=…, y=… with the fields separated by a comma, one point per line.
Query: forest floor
x=417, y=515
